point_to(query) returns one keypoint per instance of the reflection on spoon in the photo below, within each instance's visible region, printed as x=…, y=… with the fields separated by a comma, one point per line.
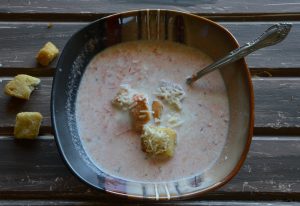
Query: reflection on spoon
x=271, y=36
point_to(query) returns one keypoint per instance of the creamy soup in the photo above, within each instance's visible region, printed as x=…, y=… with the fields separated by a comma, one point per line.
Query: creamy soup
x=106, y=132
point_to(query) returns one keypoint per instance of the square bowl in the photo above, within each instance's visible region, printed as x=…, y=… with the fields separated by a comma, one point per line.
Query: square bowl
x=174, y=26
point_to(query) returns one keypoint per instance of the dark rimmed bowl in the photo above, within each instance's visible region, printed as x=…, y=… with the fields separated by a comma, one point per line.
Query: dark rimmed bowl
x=184, y=28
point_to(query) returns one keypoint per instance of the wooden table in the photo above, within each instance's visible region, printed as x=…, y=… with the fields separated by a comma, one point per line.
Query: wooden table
x=32, y=172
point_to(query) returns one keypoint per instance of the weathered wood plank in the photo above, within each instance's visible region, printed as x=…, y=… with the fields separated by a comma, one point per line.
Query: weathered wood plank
x=279, y=56
x=32, y=173
x=21, y=41
x=91, y=9
x=34, y=169
x=277, y=102
x=276, y=105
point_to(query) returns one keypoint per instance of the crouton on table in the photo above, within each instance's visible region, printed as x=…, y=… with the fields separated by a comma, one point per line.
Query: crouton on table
x=27, y=125
x=47, y=54
x=21, y=86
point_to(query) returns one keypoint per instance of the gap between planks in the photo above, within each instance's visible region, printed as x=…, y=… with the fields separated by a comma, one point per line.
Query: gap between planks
x=87, y=17
x=71, y=202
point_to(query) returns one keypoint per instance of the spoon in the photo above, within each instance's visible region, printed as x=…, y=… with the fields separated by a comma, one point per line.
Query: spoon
x=271, y=36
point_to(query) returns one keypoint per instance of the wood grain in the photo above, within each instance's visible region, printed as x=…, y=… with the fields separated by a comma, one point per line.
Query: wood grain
x=276, y=105
x=33, y=173
x=21, y=41
x=34, y=169
x=92, y=9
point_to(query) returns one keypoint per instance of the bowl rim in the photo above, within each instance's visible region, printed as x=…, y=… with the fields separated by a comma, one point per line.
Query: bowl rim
x=215, y=186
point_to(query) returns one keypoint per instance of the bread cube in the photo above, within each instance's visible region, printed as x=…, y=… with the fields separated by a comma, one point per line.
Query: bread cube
x=123, y=99
x=157, y=108
x=158, y=141
x=140, y=114
x=47, y=54
x=21, y=86
x=27, y=125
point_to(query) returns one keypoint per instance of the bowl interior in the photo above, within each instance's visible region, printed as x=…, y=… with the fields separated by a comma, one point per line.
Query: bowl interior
x=174, y=26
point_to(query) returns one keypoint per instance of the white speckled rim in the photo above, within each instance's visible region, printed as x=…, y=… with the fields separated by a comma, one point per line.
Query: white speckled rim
x=183, y=28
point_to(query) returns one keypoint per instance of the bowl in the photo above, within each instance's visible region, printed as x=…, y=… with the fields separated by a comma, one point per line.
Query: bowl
x=175, y=26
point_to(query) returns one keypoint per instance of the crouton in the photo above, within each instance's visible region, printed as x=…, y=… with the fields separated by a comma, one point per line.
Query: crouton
x=47, y=54
x=158, y=141
x=140, y=114
x=122, y=99
x=157, y=109
x=126, y=98
x=21, y=86
x=27, y=125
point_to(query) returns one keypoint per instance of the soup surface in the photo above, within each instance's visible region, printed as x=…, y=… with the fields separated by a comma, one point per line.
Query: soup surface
x=106, y=131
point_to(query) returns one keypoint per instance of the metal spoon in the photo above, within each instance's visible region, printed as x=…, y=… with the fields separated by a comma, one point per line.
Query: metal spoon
x=271, y=36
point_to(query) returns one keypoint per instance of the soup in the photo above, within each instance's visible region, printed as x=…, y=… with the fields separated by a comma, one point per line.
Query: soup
x=106, y=131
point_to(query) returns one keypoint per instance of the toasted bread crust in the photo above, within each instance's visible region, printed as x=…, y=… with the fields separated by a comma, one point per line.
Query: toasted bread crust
x=157, y=108
x=27, y=125
x=158, y=142
x=47, y=54
x=21, y=86
x=140, y=115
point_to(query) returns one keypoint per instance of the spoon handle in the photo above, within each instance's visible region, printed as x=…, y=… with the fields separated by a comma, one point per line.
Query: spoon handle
x=271, y=36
